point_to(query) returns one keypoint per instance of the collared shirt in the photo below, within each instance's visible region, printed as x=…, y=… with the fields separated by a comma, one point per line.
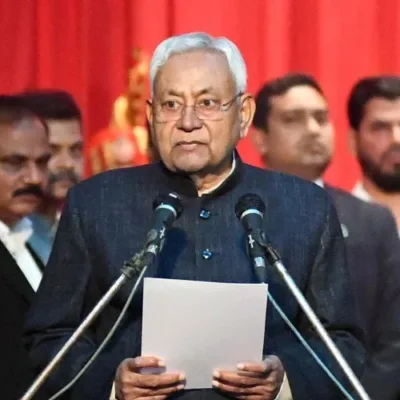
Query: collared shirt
x=219, y=184
x=43, y=236
x=319, y=182
x=15, y=240
x=361, y=193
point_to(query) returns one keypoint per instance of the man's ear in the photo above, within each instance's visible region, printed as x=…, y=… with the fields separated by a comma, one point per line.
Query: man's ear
x=246, y=114
x=149, y=113
x=260, y=140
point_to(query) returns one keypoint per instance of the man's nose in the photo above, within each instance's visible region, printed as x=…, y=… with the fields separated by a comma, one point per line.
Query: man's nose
x=312, y=125
x=189, y=120
x=65, y=161
x=33, y=174
x=396, y=133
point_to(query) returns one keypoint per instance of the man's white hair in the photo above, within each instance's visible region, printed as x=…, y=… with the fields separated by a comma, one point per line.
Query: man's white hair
x=200, y=41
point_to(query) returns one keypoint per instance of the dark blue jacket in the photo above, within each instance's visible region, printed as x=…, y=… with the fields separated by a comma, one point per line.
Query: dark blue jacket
x=104, y=223
x=373, y=252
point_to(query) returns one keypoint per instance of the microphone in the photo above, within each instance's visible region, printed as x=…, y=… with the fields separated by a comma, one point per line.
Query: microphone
x=250, y=211
x=167, y=209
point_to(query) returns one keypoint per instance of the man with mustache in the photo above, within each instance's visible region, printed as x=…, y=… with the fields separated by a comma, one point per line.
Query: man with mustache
x=63, y=117
x=373, y=111
x=295, y=135
x=24, y=155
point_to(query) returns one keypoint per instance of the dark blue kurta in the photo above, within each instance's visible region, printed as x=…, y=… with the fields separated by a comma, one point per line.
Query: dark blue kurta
x=105, y=222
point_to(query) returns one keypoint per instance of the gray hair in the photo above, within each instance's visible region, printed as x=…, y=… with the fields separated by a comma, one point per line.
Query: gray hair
x=197, y=41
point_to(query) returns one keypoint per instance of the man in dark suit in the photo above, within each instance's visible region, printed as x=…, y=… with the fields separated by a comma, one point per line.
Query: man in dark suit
x=63, y=117
x=295, y=135
x=24, y=153
x=373, y=113
x=198, y=112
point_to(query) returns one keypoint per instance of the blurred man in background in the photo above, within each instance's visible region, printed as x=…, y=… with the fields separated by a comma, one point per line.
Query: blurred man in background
x=295, y=135
x=373, y=111
x=64, y=120
x=24, y=155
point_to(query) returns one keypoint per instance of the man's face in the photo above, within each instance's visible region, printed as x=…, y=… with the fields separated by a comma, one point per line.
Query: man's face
x=66, y=163
x=24, y=156
x=377, y=143
x=299, y=138
x=187, y=143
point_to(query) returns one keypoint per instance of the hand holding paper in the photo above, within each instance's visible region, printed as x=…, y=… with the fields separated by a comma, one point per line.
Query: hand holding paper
x=131, y=384
x=252, y=380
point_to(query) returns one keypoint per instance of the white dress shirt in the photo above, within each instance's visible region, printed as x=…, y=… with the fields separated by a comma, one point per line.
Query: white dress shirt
x=319, y=182
x=361, y=193
x=15, y=240
x=210, y=190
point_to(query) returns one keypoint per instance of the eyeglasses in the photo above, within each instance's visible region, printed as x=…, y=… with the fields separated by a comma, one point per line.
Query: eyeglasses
x=205, y=109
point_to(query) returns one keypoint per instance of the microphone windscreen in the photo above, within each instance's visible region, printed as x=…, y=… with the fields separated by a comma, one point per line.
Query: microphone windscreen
x=171, y=199
x=249, y=201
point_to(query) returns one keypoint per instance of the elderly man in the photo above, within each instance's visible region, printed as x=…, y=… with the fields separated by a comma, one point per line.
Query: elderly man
x=198, y=112
x=295, y=135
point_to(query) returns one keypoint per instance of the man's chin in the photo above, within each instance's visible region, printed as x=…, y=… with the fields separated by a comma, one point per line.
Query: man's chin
x=190, y=167
x=317, y=160
x=388, y=183
x=315, y=167
x=25, y=209
x=386, y=179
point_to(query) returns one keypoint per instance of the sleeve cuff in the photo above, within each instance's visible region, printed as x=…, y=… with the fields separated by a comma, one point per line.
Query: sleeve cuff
x=284, y=392
x=112, y=395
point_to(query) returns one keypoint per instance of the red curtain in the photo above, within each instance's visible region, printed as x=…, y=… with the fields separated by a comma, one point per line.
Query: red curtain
x=85, y=47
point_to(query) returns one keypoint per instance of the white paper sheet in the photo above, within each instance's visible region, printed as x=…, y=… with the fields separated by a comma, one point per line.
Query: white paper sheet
x=199, y=326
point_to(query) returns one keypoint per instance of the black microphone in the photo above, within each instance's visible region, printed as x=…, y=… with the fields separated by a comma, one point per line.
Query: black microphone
x=250, y=211
x=167, y=209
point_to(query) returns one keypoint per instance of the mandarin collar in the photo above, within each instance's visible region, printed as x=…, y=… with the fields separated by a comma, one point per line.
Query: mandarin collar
x=184, y=186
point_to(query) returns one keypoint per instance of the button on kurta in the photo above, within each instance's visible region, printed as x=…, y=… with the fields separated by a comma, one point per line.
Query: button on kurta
x=206, y=254
x=205, y=214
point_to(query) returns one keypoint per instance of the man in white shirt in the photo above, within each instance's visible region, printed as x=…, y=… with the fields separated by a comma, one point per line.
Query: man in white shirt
x=373, y=111
x=24, y=154
x=294, y=134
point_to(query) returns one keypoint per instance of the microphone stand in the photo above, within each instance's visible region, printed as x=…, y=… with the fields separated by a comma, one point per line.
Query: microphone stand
x=275, y=260
x=137, y=266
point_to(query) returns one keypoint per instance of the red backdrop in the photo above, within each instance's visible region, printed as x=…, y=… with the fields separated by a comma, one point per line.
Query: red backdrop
x=84, y=46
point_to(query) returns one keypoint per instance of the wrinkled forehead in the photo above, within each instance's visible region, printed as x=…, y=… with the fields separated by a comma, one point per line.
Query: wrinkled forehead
x=193, y=73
